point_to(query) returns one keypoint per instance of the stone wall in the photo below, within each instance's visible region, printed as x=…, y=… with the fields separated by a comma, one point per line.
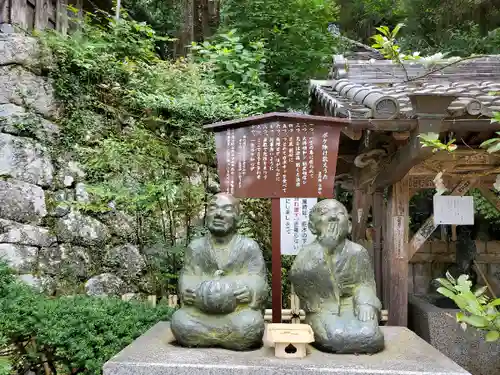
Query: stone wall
x=435, y=256
x=42, y=235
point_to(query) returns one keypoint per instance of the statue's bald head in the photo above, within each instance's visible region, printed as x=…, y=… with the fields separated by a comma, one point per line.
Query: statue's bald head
x=326, y=205
x=223, y=213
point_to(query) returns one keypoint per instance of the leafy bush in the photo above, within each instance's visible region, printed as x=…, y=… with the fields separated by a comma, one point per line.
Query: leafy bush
x=359, y=18
x=478, y=310
x=135, y=123
x=233, y=64
x=296, y=36
x=432, y=26
x=70, y=334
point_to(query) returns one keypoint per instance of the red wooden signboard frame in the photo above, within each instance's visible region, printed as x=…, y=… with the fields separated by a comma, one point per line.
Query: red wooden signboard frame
x=278, y=155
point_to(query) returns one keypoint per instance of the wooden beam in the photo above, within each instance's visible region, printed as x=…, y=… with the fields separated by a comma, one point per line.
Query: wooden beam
x=404, y=125
x=381, y=125
x=378, y=218
x=490, y=197
x=429, y=227
x=405, y=159
x=396, y=254
x=400, y=136
x=450, y=258
x=351, y=133
x=359, y=215
x=470, y=125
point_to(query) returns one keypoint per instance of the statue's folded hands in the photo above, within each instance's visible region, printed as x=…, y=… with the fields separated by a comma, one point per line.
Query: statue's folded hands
x=188, y=296
x=242, y=294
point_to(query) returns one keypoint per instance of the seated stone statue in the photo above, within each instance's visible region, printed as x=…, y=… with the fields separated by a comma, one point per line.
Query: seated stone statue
x=334, y=279
x=223, y=285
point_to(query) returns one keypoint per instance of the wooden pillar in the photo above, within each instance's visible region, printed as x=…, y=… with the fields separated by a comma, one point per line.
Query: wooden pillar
x=378, y=218
x=396, y=254
x=356, y=212
x=361, y=203
x=276, y=260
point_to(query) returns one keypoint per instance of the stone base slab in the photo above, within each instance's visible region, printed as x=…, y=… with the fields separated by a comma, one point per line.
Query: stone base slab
x=155, y=353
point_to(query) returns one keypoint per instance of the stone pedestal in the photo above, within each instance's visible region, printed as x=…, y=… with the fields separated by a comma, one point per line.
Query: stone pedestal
x=154, y=353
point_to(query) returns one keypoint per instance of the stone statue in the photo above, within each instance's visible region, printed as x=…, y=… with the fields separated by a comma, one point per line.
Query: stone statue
x=334, y=279
x=223, y=285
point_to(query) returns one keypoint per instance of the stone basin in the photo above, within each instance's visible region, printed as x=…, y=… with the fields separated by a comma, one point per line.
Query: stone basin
x=433, y=318
x=155, y=353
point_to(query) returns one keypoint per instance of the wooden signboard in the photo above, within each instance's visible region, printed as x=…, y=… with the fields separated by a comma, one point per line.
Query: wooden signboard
x=278, y=159
x=278, y=155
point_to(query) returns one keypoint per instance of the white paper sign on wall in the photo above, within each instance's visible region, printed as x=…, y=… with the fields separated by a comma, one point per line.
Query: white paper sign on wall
x=453, y=210
x=295, y=231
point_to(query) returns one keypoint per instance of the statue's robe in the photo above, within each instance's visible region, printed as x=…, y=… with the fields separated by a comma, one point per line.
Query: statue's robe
x=330, y=286
x=244, y=266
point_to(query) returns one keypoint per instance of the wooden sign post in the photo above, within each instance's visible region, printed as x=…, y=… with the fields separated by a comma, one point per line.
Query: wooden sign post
x=278, y=155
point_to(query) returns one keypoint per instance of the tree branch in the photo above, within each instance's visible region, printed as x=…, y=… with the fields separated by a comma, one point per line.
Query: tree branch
x=448, y=65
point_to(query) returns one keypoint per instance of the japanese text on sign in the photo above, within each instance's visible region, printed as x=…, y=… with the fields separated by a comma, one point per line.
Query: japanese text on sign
x=295, y=231
x=278, y=160
x=453, y=210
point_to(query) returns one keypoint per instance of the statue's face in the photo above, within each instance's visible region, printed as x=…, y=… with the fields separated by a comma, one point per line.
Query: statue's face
x=222, y=214
x=331, y=223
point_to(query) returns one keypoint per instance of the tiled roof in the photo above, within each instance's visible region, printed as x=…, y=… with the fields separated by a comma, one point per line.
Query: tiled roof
x=346, y=99
x=380, y=89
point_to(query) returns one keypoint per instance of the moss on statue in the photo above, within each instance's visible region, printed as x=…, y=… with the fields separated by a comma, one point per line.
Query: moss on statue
x=333, y=277
x=223, y=285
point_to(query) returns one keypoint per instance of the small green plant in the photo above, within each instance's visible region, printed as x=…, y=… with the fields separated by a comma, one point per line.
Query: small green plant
x=493, y=145
x=385, y=42
x=432, y=140
x=478, y=310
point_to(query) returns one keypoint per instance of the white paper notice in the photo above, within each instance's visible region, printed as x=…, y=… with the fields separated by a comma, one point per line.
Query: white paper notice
x=451, y=210
x=295, y=231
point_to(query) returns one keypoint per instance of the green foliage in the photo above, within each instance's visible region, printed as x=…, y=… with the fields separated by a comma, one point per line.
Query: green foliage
x=296, y=36
x=71, y=334
x=432, y=140
x=385, y=42
x=135, y=122
x=232, y=64
x=359, y=18
x=164, y=16
x=458, y=27
x=478, y=310
x=493, y=144
x=484, y=208
x=5, y=366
